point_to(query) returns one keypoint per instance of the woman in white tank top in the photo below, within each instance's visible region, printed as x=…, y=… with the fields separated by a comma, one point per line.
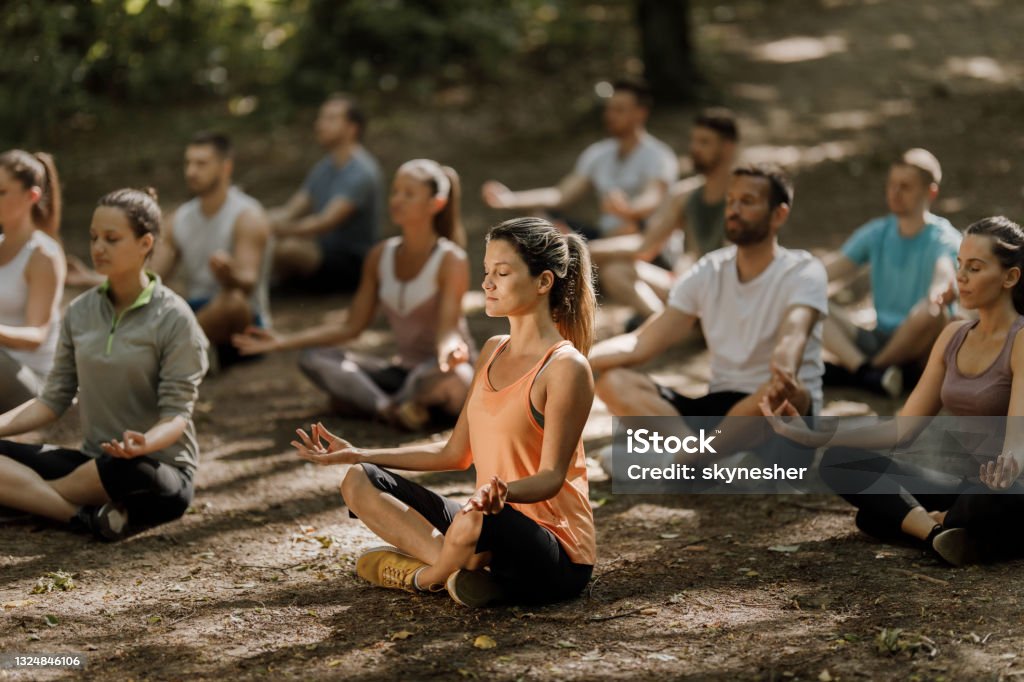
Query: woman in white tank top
x=417, y=280
x=32, y=271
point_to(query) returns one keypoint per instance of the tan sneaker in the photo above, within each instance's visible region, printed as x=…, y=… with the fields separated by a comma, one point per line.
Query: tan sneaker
x=475, y=589
x=386, y=566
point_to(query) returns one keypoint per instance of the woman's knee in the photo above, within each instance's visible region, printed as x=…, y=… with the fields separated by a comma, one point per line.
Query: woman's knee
x=355, y=483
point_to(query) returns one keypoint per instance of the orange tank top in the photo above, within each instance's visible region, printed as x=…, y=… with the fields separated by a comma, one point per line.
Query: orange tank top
x=505, y=440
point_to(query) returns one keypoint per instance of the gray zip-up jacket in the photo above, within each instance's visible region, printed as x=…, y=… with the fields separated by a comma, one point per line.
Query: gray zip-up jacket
x=130, y=370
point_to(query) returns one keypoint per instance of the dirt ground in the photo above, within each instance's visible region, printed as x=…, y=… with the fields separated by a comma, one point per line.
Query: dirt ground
x=256, y=581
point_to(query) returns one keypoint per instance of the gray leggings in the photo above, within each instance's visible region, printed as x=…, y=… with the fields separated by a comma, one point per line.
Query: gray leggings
x=371, y=384
x=18, y=383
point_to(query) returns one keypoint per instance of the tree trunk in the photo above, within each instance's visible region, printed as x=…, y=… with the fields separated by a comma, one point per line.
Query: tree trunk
x=667, y=49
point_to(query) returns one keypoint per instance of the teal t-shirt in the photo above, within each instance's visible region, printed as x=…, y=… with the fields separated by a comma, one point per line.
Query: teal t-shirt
x=901, y=268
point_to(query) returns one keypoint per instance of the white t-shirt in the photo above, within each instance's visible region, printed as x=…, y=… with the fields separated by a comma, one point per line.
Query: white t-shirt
x=650, y=160
x=741, y=320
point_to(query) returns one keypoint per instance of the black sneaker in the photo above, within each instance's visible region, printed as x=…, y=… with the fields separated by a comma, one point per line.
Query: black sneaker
x=475, y=589
x=956, y=547
x=108, y=522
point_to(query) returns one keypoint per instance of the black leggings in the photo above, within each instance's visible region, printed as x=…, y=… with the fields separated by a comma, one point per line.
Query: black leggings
x=153, y=492
x=878, y=486
x=526, y=559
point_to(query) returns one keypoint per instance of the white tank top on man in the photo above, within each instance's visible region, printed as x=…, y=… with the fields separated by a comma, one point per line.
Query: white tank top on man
x=197, y=236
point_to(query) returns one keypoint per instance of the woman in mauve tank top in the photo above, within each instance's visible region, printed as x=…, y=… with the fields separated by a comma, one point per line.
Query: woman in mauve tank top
x=417, y=280
x=976, y=369
x=527, y=534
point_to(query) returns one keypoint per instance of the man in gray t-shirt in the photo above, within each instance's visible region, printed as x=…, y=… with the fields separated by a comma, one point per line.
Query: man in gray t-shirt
x=630, y=171
x=326, y=228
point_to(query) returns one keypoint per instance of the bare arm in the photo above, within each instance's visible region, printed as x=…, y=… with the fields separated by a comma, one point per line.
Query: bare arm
x=334, y=214
x=360, y=314
x=452, y=455
x=242, y=269
x=943, y=286
x=839, y=269
x=571, y=188
x=663, y=330
x=28, y=416
x=165, y=255
x=298, y=205
x=454, y=281
x=645, y=203
x=45, y=277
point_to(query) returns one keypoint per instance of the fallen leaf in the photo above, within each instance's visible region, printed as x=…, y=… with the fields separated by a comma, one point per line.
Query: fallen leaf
x=669, y=536
x=662, y=657
x=825, y=676
x=17, y=603
x=51, y=620
x=334, y=664
x=649, y=611
x=484, y=642
x=784, y=548
x=153, y=620
x=401, y=634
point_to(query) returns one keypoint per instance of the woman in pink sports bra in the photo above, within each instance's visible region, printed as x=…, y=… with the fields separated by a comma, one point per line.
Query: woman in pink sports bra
x=976, y=369
x=417, y=280
x=527, y=534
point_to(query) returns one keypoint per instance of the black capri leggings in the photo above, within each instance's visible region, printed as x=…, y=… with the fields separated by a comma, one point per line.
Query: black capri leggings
x=151, y=491
x=526, y=559
x=877, y=485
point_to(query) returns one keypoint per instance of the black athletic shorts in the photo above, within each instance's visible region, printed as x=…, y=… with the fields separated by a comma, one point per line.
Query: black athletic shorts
x=526, y=558
x=153, y=492
x=707, y=412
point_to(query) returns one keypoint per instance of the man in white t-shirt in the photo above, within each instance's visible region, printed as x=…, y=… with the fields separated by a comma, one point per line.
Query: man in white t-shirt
x=630, y=171
x=760, y=306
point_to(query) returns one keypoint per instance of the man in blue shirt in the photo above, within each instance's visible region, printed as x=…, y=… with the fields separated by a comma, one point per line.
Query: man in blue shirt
x=912, y=255
x=326, y=228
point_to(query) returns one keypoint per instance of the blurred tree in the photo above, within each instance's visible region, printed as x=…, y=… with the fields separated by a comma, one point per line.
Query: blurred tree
x=667, y=49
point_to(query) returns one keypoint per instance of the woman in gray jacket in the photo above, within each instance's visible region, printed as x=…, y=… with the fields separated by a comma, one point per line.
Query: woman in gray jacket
x=133, y=353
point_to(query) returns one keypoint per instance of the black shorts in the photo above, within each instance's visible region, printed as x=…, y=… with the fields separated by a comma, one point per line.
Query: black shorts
x=153, y=492
x=705, y=412
x=526, y=558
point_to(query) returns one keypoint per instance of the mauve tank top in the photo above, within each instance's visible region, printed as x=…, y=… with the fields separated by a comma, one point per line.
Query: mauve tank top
x=505, y=439
x=981, y=395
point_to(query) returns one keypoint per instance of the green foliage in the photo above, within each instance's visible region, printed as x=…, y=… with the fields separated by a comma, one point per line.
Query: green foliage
x=65, y=62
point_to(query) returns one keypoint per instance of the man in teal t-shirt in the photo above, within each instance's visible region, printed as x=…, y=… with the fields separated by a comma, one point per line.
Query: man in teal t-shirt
x=912, y=255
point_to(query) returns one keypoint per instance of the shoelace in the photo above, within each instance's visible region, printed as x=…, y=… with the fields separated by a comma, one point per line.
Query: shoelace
x=392, y=576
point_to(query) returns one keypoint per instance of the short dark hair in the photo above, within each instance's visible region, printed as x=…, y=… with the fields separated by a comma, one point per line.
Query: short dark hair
x=354, y=113
x=640, y=90
x=219, y=141
x=778, y=180
x=720, y=120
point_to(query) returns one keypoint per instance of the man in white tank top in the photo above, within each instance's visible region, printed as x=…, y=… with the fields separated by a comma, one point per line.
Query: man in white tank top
x=220, y=242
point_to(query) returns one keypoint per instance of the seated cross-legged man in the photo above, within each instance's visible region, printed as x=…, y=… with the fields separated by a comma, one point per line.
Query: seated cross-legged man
x=629, y=171
x=638, y=270
x=911, y=253
x=219, y=243
x=760, y=307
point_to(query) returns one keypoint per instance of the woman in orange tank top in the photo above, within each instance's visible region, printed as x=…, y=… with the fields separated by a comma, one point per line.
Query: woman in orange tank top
x=527, y=534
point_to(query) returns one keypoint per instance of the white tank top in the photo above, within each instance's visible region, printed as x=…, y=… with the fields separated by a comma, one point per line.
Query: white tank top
x=14, y=297
x=413, y=306
x=197, y=236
